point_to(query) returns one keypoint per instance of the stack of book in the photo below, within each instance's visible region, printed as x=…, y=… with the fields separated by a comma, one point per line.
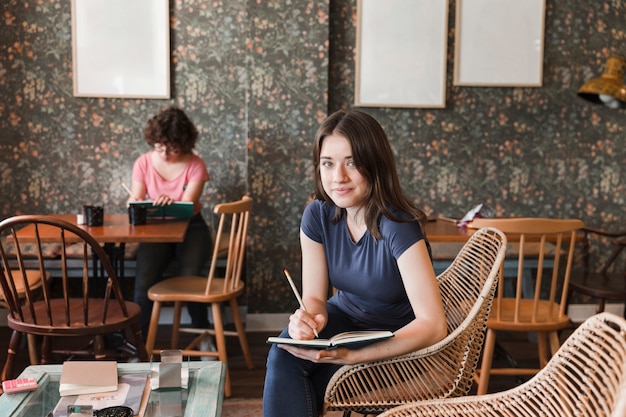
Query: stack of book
x=96, y=383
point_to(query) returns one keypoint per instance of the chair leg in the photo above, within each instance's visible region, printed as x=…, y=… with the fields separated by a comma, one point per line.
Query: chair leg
x=46, y=350
x=490, y=343
x=542, y=348
x=14, y=345
x=178, y=306
x=241, y=332
x=555, y=343
x=98, y=347
x=152, y=329
x=140, y=345
x=32, y=349
x=220, y=342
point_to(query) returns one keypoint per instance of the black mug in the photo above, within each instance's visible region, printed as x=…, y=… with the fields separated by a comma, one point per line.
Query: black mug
x=94, y=215
x=137, y=214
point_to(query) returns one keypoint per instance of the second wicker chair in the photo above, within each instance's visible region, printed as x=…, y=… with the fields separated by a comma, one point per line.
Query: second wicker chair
x=586, y=377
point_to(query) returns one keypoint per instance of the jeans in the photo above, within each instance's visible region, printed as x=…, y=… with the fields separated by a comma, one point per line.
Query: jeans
x=296, y=387
x=153, y=259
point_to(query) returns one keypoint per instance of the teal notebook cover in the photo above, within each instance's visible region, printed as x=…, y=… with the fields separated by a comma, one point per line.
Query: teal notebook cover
x=178, y=209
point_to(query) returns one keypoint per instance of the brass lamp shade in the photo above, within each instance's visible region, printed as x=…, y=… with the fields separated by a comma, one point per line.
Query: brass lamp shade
x=609, y=88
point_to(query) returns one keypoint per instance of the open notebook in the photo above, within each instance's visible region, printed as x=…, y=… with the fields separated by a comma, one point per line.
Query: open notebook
x=352, y=340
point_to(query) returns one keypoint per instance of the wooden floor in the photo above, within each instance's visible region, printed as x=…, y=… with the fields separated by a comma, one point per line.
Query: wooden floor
x=249, y=383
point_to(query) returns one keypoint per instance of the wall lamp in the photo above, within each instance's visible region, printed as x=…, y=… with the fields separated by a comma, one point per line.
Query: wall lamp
x=609, y=88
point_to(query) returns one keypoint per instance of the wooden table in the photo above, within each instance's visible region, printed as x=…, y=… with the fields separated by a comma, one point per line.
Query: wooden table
x=442, y=231
x=116, y=229
x=114, y=234
x=446, y=240
x=446, y=231
x=203, y=398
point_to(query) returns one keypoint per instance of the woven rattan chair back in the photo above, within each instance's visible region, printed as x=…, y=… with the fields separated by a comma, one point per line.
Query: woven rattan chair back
x=586, y=377
x=444, y=369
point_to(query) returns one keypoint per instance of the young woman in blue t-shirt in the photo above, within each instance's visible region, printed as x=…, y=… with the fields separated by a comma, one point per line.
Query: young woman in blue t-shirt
x=362, y=237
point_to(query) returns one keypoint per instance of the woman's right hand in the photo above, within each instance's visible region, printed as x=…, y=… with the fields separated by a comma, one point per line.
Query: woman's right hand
x=163, y=200
x=302, y=324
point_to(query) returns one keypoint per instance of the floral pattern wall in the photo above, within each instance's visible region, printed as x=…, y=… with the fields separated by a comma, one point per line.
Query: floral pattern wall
x=257, y=77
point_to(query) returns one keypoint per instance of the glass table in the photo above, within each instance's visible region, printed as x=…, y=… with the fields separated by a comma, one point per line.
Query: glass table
x=202, y=398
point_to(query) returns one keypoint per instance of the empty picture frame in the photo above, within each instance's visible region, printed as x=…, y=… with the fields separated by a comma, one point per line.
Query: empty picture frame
x=401, y=53
x=121, y=48
x=499, y=43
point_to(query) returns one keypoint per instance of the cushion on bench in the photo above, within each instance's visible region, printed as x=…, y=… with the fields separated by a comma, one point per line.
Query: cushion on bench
x=75, y=250
x=49, y=250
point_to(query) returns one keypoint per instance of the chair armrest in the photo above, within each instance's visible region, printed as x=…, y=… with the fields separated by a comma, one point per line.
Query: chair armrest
x=390, y=382
x=619, y=242
x=602, y=232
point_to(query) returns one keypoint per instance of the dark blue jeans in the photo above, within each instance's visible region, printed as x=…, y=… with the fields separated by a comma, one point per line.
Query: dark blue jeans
x=296, y=387
x=191, y=256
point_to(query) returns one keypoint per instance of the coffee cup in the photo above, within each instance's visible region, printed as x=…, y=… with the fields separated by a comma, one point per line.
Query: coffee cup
x=137, y=214
x=94, y=215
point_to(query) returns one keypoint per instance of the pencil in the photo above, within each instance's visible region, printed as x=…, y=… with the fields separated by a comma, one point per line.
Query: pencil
x=128, y=190
x=297, y=294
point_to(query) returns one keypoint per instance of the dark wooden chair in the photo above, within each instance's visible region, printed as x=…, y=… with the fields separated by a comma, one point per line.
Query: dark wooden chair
x=90, y=306
x=603, y=285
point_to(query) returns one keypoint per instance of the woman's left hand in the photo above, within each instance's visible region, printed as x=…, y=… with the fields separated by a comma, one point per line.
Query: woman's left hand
x=339, y=356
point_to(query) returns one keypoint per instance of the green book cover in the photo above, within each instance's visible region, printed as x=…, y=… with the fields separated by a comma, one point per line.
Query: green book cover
x=178, y=209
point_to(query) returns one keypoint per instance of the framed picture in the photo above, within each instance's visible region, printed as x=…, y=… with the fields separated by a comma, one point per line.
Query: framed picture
x=499, y=43
x=121, y=48
x=401, y=53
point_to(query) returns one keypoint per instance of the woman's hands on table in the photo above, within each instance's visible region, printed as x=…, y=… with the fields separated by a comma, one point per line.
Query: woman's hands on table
x=163, y=200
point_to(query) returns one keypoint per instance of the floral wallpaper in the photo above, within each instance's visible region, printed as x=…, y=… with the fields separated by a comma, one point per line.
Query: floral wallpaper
x=257, y=77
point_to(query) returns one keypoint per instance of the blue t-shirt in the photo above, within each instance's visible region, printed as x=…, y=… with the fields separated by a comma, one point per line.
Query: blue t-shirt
x=365, y=273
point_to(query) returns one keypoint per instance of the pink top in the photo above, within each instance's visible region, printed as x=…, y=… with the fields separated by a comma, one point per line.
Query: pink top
x=144, y=172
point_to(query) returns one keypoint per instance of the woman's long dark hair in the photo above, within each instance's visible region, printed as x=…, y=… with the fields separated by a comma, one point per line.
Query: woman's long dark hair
x=375, y=162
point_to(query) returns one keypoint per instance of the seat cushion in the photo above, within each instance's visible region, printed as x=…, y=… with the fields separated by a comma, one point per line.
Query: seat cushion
x=33, y=277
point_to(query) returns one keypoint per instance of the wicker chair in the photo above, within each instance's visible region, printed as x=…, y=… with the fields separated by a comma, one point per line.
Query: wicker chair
x=446, y=368
x=587, y=377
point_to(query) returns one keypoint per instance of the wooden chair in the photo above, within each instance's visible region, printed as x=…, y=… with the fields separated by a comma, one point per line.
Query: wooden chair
x=445, y=369
x=57, y=312
x=603, y=285
x=586, y=377
x=209, y=289
x=553, y=243
x=32, y=279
